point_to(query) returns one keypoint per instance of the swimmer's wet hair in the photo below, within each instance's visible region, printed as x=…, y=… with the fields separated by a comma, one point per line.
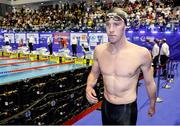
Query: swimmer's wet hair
x=119, y=12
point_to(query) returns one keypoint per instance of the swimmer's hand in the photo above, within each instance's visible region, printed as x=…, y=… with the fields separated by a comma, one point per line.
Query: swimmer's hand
x=151, y=111
x=91, y=95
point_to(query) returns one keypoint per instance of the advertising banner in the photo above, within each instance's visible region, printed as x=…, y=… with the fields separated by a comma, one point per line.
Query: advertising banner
x=20, y=38
x=58, y=35
x=97, y=38
x=81, y=38
x=35, y=35
x=43, y=38
x=11, y=37
x=1, y=37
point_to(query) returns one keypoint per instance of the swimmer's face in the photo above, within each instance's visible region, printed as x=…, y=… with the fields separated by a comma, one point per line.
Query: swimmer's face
x=115, y=27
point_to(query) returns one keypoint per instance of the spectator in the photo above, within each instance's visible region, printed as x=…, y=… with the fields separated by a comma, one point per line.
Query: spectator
x=7, y=40
x=77, y=16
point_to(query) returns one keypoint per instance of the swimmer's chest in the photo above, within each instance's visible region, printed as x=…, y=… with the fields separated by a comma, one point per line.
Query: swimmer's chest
x=125, y=64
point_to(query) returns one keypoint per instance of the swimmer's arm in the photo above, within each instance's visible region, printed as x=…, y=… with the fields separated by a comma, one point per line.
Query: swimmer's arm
x=94, y=74
x=91, y=81
x=148, y=78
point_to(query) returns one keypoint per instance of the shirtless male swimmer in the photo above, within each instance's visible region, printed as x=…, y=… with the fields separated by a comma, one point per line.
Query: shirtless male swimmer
x=120, y=61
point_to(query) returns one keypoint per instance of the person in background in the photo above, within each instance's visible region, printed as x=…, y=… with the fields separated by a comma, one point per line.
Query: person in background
x=49, y=42
x=74, y=46
x=155, y=55
x=31, y=42
x=164, y=56
x=64, y=43
x=20, y=43
x=85, y=48
x=7, y=40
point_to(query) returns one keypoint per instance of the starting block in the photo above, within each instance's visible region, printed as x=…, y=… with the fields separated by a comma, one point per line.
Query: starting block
x=78, y=60
x=83, y=61
x=67, y=59
x=33, y=57
x=56, y=59
x=1, y=53
x=22, y=55
x=42, y=57
x=14, y=55
x=8, y=54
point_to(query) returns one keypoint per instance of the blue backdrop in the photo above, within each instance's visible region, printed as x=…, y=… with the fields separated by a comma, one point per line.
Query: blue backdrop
x=173, y=40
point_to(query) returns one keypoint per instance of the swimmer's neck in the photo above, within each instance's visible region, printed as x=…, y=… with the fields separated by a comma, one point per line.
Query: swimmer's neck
x=119, y=45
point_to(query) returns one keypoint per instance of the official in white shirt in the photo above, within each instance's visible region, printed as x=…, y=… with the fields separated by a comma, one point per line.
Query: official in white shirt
x=85, y=48
x=7, y=40
x=155, y=55
x=164, y=56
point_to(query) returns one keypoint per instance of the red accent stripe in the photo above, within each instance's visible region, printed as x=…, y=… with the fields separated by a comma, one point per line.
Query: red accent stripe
x=37, y=67
x=82, y=114
x=33, y=68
